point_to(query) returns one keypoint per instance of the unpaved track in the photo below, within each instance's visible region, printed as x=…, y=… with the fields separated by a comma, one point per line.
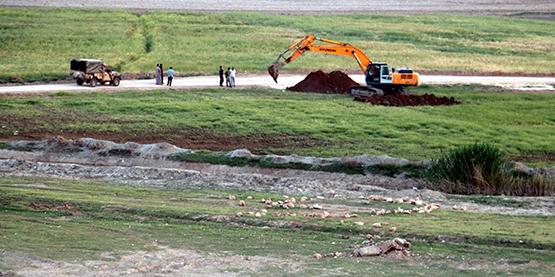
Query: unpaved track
x=303, y=6
x=519, y=83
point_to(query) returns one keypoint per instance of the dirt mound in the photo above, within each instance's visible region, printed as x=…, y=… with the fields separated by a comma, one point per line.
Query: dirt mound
x=321, y=82
x=410, y=100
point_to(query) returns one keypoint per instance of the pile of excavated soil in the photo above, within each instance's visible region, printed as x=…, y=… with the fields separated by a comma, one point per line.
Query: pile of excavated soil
x=410, y=100
x=321, y=82
x=339, y=82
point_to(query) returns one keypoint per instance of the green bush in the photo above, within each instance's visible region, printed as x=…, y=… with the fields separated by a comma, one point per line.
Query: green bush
x=471, y=164
x=481, y=169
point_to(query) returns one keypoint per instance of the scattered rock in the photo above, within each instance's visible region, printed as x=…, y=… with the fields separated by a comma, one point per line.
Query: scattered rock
x=242, y=203
x=316, y=207
x=383, y=248
x=239, y=153
x=368, y=251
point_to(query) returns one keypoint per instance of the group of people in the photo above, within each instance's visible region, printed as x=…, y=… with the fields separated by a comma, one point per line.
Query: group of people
x=229, y=75
x=160, y=75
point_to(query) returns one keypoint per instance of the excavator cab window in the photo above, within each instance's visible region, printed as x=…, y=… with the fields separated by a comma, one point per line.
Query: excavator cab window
x=373, y=74
x=385, y=73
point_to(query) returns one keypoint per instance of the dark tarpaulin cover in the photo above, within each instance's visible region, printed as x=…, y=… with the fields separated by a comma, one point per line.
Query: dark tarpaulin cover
x=86, y=65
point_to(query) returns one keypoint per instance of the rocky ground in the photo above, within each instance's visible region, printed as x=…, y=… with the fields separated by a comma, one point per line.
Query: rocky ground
x=151, y=165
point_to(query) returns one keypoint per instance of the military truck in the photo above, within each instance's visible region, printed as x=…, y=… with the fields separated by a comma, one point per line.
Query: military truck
x=93, y=72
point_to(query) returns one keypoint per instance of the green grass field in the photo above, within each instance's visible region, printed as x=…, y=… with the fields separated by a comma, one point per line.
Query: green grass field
x=132, y=219
x=37, y=44
x=521, y=125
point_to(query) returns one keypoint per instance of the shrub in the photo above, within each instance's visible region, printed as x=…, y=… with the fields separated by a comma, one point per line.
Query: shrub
x=477, y=164
x=481, y=169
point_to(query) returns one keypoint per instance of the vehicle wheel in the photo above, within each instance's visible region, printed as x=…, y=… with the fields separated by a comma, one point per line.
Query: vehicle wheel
x=115, y=82
x=94, y=81
x=79, y=81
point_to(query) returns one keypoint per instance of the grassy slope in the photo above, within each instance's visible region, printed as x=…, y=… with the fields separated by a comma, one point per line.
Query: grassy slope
x=132, y=218
x=517, y=123
x=36, y=44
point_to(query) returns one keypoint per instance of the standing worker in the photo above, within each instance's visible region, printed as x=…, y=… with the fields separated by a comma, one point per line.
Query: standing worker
x=228, y=77
x=162, y=73
x=232, y=76
x=221, y=72
x=158, y=74
x=170, y=76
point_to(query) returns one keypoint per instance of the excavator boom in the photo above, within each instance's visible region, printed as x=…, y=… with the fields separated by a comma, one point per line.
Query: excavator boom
x=329, y=47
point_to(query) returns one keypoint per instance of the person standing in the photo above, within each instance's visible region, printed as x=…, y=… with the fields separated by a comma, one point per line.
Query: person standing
x=162, y=74
x=227, y=77
x=232, y=76
x=170, y=76
x=221, y=73
x=158, y=74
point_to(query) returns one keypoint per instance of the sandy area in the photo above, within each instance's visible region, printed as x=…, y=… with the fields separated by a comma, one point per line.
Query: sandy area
x=302, y=6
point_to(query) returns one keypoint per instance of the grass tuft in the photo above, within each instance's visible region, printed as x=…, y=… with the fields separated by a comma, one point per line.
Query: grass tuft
x=480, y=169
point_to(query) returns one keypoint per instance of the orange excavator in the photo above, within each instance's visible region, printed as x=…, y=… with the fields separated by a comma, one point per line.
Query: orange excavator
x=379, y=79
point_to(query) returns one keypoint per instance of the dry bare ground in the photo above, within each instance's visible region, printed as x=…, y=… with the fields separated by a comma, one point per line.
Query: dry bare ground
x=162, y=262
x=295, y=6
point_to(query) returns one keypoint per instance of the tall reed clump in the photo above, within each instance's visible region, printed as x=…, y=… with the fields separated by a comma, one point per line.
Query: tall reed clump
x=481, y=169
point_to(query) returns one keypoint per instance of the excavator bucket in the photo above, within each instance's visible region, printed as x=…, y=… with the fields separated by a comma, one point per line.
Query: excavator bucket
x=273, y=70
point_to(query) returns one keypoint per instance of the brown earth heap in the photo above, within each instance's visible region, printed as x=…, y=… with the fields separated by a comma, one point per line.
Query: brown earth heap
x=321, y=82
x=339, y=82
x=399, y=100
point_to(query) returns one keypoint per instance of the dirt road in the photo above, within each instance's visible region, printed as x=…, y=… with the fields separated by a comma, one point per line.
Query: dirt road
x=519, y=83
x=296, y=6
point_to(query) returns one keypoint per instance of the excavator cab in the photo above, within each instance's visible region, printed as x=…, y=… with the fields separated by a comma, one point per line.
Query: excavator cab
x=379, y=77
x=378, y=73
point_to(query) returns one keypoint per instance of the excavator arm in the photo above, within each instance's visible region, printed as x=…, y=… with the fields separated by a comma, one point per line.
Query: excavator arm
x=329, y=47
